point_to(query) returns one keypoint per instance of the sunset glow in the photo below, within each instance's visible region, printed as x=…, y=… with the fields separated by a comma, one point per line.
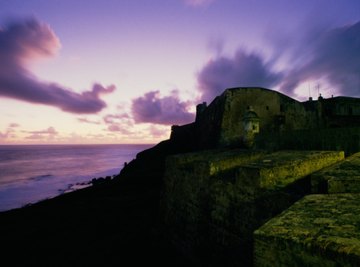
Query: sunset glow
x=125, y=71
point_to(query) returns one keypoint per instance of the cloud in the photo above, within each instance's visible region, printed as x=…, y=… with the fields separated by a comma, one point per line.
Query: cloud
x=9, y=133
x=20, y=44
x=110, y=118
x=198, y=3
x=5, y=135
x=14, y=125
x=333, y=56
x=244, y=69
x=48, y=133
x=216, y=45
x=85, y=120
x=321, y=53
x=158, y=132
x=117, y=128
x=166, y=110
x=96, y=135
x=119, y=123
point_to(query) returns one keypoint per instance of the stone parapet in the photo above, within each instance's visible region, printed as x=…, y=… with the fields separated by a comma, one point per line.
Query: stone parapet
x=319, y=230
x=188, y=184
x=343, y=177
x=282, y=168
x=214, y=200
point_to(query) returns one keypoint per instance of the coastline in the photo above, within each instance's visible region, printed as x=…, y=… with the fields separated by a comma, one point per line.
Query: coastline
x=71, y=188
x=36, y=172
x=20, y=195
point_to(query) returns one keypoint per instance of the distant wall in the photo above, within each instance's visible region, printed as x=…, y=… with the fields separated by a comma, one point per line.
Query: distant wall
x=264, y=102
x=221, y=123
x=276, y=111
x=339, y=139
x=184, y=135
x=343, y=106
x=207, y=126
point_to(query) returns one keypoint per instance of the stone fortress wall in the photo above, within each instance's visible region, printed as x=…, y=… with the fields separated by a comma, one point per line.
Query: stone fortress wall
x=229, y=206
x=220, y=124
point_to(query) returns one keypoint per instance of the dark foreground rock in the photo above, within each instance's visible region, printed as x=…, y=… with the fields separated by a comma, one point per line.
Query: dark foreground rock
x=110, y=224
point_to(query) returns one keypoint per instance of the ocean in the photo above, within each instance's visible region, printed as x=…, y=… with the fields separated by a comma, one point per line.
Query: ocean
x=30, y=173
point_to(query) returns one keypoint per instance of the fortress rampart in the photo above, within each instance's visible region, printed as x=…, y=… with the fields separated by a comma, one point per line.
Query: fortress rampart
x=265, y=202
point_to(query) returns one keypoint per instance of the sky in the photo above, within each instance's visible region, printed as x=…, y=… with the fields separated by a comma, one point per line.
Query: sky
x=125, y=71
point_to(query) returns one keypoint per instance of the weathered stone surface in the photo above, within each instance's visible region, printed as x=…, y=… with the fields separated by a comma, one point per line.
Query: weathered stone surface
x=319, y=230
x=272, y=108
x=217, y=160
x=187, y=188
x=214, y=200
x=284, y=167
x=343, y=177
x=283, y=122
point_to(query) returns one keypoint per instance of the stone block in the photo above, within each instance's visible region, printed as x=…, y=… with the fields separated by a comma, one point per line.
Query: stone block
x=187, y=186
x=282, y=168
x=343, y=177
x=214, y=200
x=319, y=230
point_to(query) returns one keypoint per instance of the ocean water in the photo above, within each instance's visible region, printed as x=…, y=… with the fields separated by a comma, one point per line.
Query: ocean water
x=30, y=173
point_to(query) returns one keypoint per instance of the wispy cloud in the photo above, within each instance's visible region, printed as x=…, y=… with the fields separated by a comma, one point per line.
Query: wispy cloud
x=334, y=56
x=320, y=53
x=198, y=3
x=111, y=118
x=6, y=134
x=243, y=69
x=9, y=132
x=116, y=127
x=119, y=123
x=14, y=125
x=48, y=133
x=22, y=42
x=157, y=132
x=168, y=110
x=86, y=120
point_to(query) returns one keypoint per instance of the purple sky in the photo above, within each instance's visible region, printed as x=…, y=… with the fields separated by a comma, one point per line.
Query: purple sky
x=124, y=71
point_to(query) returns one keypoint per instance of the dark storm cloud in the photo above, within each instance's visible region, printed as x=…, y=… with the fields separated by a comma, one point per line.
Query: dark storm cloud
x=335, y=56
x=244, y=69
x=25, y=41
x=166, y=110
